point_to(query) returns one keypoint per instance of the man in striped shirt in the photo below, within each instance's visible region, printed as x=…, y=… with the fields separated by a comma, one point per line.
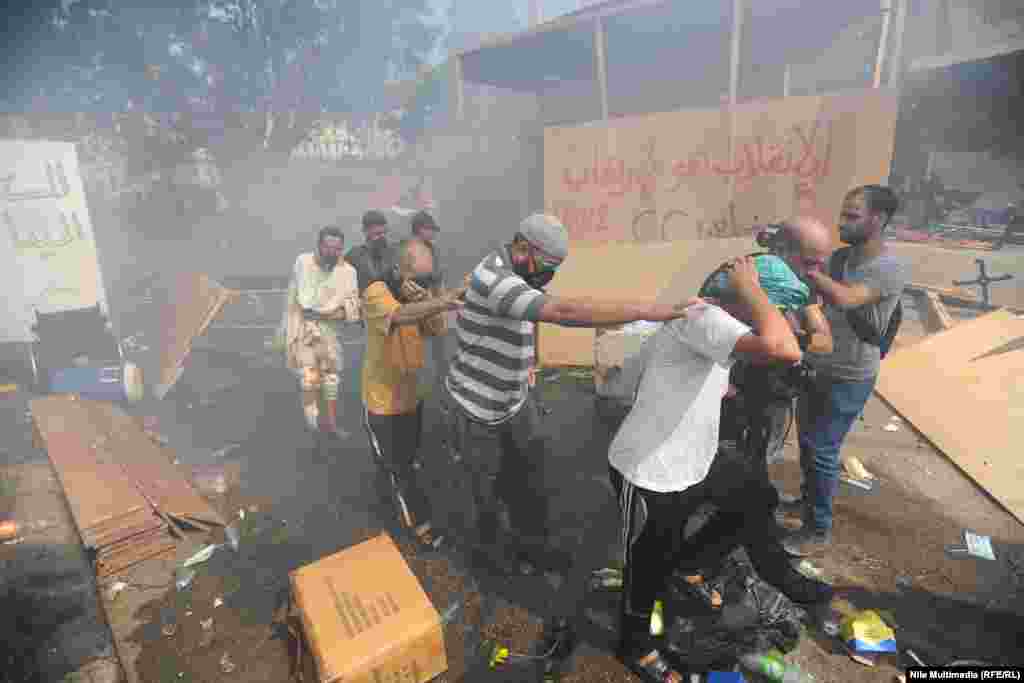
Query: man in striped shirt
x=494, y=420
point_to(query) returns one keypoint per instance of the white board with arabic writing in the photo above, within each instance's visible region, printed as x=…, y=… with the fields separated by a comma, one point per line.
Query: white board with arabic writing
x=49, y=257
x=667, y=176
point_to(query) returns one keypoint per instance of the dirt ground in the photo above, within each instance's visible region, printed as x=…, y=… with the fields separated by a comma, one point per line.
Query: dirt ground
x=888, y=552
x=888, y=555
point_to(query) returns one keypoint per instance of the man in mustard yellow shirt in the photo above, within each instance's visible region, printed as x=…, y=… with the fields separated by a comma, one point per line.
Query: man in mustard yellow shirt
x=399, y=311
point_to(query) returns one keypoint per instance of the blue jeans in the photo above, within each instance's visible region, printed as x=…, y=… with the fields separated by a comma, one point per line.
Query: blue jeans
x=825, y=416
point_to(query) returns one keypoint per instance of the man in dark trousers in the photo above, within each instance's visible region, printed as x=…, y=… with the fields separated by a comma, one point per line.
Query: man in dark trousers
x=494, y=417
x=372, y=259
x=425, y=228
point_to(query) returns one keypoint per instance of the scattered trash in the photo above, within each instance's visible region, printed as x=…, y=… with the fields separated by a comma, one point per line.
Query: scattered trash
x=169, y=630
x=658, y=619
x=231, y=533
x=974, y=546
x=221, y=452
x=608, y=578
x=891, y=427
x=206, y=624
x=241, y=513
x=114, y=589
x=210, y=479
x=979, y=546
x=201, y=556
x=809, y=570
x=866, y=636
x=183, y=578
x=226, y=665
x=917, y=660
x=830, y=627
x=904, y=582
x=851, y=485
x=9, y=530
x=218, y=602
x=157, y=437
x=772, y=666
x=15, y=541
x=451, y=611
x=856, y=468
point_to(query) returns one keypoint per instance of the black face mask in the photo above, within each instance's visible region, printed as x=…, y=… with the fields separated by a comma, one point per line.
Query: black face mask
x=328, y=263
x=539, y=280
x=378, y=245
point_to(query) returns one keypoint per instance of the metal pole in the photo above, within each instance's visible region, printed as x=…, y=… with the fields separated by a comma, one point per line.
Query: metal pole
x=883, y=42
x=460, y=96
x=534, y=12
x=602, y=66
x=899, y=31
x=787, y=76
x=738, y=7
x=734, y=56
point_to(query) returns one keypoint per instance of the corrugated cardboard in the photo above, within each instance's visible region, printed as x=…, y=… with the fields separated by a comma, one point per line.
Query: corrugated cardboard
x=963, y=389
x=367, y=619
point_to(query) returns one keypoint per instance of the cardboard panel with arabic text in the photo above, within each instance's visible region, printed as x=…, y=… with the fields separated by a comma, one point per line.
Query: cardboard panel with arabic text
x=666, y=176
x=667, y=272
x=647, y=198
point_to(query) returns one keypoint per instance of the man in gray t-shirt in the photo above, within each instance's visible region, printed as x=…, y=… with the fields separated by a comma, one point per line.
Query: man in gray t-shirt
x=872, y=282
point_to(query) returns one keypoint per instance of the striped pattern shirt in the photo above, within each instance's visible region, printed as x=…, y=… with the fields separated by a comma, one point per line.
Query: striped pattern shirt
x=489, y=376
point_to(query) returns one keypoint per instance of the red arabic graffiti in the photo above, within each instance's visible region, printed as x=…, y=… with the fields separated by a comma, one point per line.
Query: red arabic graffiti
x=614, y=177
x=582, y=222
x=802, y=154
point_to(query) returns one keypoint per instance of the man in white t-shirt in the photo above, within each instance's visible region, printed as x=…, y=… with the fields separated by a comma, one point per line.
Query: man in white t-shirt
x=666, y=462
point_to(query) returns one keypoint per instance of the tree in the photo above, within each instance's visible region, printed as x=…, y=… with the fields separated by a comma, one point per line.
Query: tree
x=215, y=73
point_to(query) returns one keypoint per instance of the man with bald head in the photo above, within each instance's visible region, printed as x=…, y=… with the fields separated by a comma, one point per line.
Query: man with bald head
x=759, y=408
x=805, y=243
x=400, y=311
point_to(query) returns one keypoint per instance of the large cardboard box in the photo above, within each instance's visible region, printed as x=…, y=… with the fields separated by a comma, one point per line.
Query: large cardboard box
x=367, y=619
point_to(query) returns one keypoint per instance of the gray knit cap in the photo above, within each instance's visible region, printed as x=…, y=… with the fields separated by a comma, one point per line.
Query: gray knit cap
x=547, y=233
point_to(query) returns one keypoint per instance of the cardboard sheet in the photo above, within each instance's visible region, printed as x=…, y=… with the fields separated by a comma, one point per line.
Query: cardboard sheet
x=968, y=403
x=704, y=174
x=666, y=197
x=123, y=489
x=149, y=467
x=192, y=302
x=366, y=617
x=667, y=272
x=111, y=515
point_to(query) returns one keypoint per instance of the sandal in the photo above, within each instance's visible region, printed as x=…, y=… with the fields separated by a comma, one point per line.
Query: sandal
x=652, y=668
x=425, y=536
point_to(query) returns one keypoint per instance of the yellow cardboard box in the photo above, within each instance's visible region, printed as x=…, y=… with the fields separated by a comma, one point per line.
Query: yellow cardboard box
x=367, y=619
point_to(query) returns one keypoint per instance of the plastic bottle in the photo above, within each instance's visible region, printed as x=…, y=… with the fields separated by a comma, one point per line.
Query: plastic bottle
x=772, y=668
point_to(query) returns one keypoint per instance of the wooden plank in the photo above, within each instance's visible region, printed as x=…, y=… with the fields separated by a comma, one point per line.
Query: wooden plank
x=970, y=408
x=192, y=302
x=136, y=553
x=149, y=466
x=97, y=492
x=934, y=315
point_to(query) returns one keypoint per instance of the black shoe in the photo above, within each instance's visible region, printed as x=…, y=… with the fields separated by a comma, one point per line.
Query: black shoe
x=558, y=640
x=801, y=589
x=772, y=564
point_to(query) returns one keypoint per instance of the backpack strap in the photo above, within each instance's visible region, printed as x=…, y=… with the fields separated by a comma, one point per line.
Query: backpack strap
x=864, y=330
